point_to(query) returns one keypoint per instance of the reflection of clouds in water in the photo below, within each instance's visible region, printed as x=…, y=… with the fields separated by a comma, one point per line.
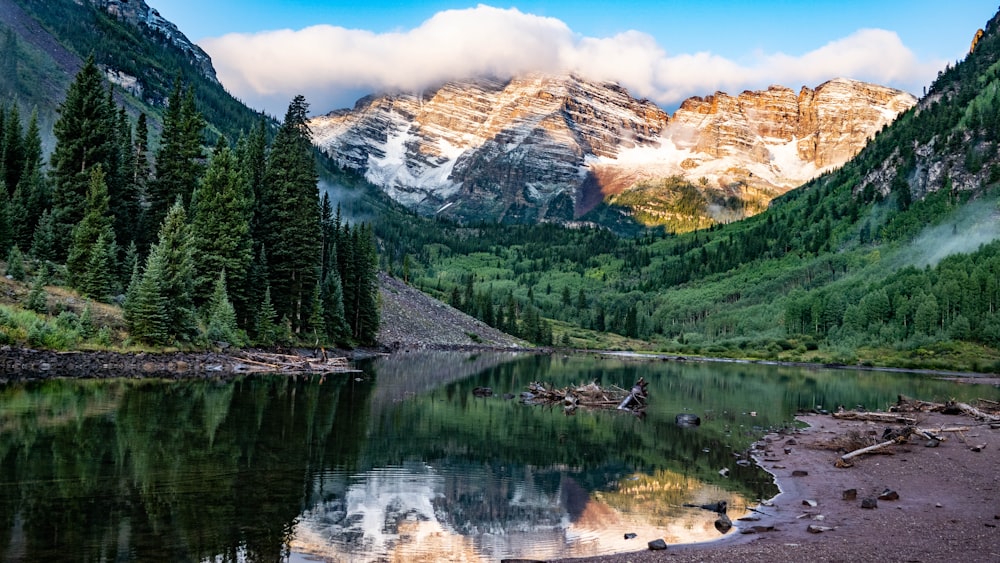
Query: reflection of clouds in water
x=419, y=512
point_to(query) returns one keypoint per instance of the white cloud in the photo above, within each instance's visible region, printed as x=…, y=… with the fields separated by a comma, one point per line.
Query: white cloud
x=332, y=66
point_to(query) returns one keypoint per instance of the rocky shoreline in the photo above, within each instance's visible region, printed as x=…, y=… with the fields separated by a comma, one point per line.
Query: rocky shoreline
x=27, y=363
x=946, y=505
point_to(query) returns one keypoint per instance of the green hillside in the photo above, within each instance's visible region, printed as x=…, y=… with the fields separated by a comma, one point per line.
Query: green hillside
x=46, y=41
x=885, y=261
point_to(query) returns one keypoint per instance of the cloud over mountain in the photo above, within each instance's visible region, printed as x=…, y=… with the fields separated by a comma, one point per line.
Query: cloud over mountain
x=332, y=65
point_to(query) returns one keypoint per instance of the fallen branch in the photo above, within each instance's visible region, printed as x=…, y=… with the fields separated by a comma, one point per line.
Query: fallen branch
x=843, y=461
x=948, y=429
x=875, y=417
x=973, y=411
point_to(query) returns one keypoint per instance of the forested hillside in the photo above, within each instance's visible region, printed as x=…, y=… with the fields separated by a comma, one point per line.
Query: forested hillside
x=888, y=260
x=231, y=243
x=43, y=44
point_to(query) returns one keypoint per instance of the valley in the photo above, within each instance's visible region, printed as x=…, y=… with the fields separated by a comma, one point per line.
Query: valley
x=753, y=261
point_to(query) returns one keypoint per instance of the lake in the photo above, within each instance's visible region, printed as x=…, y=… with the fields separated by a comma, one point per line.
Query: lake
x=400, y=462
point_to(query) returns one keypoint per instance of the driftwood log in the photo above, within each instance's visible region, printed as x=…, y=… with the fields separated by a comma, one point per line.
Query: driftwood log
x=263, y=362
x=886, y=417
x=844, y=459
x=974, y=412
x=591, y=396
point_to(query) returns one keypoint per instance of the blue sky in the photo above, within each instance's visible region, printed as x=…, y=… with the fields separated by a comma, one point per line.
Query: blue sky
x=266, y=51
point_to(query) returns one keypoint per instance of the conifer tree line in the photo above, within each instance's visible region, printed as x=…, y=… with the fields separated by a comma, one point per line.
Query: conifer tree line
x=226, y=243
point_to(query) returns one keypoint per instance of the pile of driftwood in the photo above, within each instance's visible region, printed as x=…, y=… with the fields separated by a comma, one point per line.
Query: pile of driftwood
x=988, y=412
x=264, y=362
x=591, y=396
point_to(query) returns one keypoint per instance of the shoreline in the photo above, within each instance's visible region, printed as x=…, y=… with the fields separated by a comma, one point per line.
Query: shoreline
x=948, y=507
x=972, y=376
x=202, y=363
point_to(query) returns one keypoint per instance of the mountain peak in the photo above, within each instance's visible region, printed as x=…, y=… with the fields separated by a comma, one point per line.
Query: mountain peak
x=551, y=146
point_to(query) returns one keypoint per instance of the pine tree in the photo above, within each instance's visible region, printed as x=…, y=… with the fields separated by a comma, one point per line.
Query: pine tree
x=85, y=137
x=289, y=217
x=6, y=220
x=129, y=262
x=99, y=281
x=43, y=241
x=267, y=329
x=255, y=288
x=141, y=177
x=87, y=321
x=32, y=146
x=15, y=265
x=365, y=314
x=122, y=188
x=332, y=297
x=179, y=162
x=317, y=318
x=145, y=308
x=220, y=229
x=221, y=321
x=18, y=229
x=34, y=195
x=13, y=148
x=93, y=235
x=252, y=154
x=38, y=297
x=177, y=281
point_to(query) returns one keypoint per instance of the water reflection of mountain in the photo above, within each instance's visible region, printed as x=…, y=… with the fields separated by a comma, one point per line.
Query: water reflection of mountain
x=413, y=512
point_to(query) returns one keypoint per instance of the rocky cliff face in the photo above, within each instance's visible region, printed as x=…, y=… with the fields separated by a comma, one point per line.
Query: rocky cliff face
x=550, y=147
x=139, y=14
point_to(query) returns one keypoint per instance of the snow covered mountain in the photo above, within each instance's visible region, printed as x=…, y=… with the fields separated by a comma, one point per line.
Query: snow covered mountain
x=544, y=147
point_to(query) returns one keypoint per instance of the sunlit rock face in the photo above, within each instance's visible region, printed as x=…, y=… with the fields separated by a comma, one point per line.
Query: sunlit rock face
x=545, y=147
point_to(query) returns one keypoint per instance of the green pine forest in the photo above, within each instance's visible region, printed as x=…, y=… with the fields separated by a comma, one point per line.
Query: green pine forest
x=219, y=242
x=203, y=221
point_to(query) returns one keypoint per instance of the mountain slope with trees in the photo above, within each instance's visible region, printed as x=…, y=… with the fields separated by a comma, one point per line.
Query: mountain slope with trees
x=890, y=259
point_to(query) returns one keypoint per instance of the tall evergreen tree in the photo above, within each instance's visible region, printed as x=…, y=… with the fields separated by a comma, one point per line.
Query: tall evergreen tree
x=122, y=188
x=365, y=315
x=31, y=196
x=290, y=222
x=13, y=148
x=93, y=235
x=267, y=328
x=180, y=160
x=332, y=297
x=85, y=137
x=178, y=272
x=252, y=154
x=43, y=241
x=221, y=213
x=158, y=305
x=221, y=318
x=34, y=195
x=100, y=281
x=6, y=220
x=146, y=307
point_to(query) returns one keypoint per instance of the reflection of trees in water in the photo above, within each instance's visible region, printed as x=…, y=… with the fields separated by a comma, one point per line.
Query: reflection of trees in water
x=408, y=373
x=178, y=471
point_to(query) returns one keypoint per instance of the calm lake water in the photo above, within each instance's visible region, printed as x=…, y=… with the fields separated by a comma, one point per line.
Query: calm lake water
x=400, y=463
